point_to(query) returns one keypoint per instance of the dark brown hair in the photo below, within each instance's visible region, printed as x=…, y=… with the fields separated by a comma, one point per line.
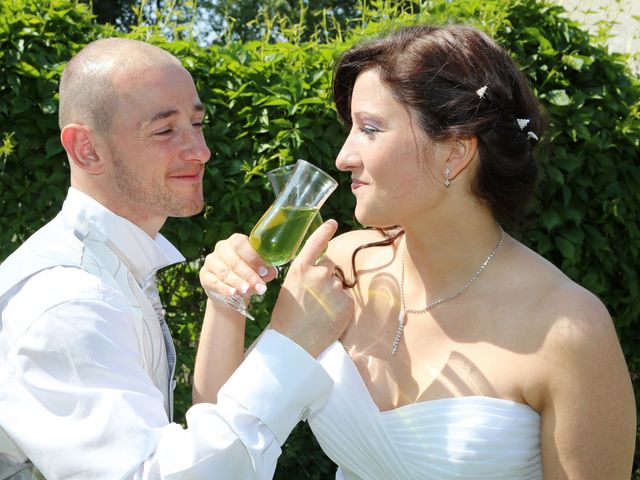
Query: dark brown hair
x=440, y=72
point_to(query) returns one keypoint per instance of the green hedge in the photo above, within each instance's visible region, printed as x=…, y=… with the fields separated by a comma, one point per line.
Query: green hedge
x=269, y=104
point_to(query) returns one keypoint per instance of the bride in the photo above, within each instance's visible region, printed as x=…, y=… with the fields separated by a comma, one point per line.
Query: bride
x=470, y=356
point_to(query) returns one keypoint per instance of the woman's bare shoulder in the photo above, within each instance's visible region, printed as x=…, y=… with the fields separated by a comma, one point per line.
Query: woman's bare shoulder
x=579, y=322
x=572, y=325
x=554, y=298
x=341, y=248
x=358, y=236
x=558, y=298
x=584, y=390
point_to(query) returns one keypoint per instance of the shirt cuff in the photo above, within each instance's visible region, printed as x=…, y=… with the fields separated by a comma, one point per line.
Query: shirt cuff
x=280, y=383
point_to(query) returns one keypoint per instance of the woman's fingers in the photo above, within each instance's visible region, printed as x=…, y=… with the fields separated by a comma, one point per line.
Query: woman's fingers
x=316, y=243
x=313, y=308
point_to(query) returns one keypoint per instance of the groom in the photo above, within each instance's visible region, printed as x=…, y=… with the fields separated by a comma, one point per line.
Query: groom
x=86, y=359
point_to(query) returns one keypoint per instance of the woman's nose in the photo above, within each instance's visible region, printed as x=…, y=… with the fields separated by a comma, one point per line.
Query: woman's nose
x=348, y=157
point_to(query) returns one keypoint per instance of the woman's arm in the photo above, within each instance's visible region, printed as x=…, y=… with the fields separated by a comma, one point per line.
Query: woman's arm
x=588, y=410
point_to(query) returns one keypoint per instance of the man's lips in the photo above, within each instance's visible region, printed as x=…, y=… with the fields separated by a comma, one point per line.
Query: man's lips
x=194, y=174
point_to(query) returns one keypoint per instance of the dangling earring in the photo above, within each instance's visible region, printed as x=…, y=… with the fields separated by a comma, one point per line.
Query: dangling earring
x=446, y=177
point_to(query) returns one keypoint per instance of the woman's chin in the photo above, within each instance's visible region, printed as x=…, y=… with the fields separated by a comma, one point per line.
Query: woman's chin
x=369, y=220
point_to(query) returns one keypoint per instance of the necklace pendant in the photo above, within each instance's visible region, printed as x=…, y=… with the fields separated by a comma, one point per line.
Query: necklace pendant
x=396, y=341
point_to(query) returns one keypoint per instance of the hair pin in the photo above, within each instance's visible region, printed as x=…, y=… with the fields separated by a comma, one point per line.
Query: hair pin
x=481, y=91
x=522, y=123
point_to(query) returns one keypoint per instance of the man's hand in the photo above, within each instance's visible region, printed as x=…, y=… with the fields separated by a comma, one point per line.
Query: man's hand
x=234, y=267
x=313, y=309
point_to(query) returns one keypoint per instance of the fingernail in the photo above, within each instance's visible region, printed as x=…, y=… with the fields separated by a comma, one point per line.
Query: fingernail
x=263, y=271
x=232, y=291
x=261, y=288
x=244, y=288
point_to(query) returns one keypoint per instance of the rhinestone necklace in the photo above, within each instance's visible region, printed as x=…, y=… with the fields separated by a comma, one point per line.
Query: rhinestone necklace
x=404, y=310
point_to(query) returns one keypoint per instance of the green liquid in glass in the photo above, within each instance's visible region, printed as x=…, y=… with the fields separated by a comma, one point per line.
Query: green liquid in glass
x=278, y=234
x=315, y=223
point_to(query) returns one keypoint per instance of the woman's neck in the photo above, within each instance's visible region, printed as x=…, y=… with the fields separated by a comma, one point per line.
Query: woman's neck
x=440, y=258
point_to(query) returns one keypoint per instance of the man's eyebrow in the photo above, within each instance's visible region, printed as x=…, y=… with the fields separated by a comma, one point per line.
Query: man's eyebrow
x=198, y=107
x=161, y=115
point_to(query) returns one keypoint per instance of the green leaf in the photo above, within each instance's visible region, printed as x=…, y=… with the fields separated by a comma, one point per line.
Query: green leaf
x=573, y=215
x=53, y=146
x=550, y=219
x=565, y=246
x=559, y=98
x=311, y=101
x=49, y=106
x=555, y=174
x=569, y=163
x=26, y=69
x=574, y=235
x=275, y=102
x=577, y=62
x=545, y=45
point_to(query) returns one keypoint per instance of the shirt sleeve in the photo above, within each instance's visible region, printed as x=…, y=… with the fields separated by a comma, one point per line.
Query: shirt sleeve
x=75, y=399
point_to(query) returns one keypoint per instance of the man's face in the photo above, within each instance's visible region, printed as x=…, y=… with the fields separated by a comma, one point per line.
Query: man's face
x=156, y=147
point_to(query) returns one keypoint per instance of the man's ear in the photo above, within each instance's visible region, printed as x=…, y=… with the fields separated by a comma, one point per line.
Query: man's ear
x=462, y=152
x=79, y=142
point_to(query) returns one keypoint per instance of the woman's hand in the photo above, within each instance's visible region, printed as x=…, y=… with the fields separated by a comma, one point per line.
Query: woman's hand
x=313, y=308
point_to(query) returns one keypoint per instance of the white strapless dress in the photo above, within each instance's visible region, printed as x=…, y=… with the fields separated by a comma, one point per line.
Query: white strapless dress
x=479, y=438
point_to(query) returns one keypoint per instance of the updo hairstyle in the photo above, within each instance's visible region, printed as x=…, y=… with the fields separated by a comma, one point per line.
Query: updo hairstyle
x=460, y=83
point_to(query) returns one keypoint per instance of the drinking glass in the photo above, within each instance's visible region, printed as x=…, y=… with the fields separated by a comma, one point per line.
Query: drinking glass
x=278, y=178
x=278, y=235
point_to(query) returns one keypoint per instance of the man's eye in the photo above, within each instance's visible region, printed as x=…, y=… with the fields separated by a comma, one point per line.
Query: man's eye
x=166, y=131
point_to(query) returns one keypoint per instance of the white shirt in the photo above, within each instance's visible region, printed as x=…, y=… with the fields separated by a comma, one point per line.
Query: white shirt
x=83, y=379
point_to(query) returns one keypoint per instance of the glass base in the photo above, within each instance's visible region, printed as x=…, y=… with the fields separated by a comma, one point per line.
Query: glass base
x=234, y=301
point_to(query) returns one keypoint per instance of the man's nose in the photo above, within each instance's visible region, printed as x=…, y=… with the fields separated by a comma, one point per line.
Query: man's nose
x=197, y=148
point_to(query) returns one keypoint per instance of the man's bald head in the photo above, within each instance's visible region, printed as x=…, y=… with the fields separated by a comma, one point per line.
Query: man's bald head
x=88, y=94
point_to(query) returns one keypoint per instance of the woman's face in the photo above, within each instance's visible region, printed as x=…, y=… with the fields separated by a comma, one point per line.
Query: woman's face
x=386, y=154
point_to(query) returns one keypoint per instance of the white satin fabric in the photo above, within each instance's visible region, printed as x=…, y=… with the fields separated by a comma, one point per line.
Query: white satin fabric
x=480, y=438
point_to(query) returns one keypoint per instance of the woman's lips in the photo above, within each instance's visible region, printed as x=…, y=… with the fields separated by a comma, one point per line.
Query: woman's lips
x=355, y=184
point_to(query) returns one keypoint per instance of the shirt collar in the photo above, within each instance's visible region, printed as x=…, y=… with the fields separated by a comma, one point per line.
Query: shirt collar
x=142, y=254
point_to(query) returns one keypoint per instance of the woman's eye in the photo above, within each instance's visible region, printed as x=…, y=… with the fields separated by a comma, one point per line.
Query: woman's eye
x=166, y=131
x=368, y=130
x=198, y=124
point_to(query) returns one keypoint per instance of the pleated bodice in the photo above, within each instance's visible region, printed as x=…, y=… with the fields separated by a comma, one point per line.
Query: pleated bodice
x=476, y=437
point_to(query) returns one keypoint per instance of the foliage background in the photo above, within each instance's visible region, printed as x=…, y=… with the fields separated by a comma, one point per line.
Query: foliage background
x=268, y=103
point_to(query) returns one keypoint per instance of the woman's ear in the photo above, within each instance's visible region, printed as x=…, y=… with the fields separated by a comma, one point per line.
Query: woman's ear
x=78, y=141
x=462, y=151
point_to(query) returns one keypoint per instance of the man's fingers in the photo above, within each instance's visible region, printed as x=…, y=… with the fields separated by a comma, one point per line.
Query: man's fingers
x=317, y=242
x=235, y=267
